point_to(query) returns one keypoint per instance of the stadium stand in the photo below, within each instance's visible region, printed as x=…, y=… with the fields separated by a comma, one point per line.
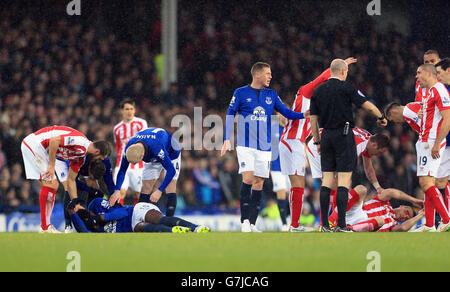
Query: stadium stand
x=55, y=70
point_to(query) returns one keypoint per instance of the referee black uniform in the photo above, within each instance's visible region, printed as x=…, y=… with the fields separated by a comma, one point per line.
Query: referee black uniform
x=332, y=103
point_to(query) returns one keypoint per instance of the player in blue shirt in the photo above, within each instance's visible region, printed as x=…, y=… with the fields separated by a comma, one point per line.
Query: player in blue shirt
x=158, y=150
x=144, y=217
x=255, y=105
x=87, y=181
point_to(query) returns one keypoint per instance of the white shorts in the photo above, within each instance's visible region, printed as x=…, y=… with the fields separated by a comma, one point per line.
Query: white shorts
x=292, y=157
x=254, y=160
x=280, y=181
x=36, y=160
x=133, y=178
x=314, y=160
x=426, y=165
x=139, y=212
x=356, y=215
x=444, y=168
x=152, y=170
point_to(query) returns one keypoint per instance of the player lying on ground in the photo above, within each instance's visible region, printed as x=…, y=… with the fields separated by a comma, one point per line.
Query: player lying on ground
x=144, y=217
x=366, y=213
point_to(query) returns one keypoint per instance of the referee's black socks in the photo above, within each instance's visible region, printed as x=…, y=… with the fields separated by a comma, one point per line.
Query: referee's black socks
x=324, y=205
x=342, y=203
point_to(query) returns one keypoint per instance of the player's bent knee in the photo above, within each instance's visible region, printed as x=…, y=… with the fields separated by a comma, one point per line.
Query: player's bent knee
x=153, y=217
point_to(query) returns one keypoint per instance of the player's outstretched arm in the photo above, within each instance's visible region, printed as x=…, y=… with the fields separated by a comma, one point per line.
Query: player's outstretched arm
x=369, y=170
x=290, y=114
x=389, y=194
x=408, y=224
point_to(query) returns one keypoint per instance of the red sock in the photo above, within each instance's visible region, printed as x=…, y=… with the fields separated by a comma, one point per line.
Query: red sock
x=437, y=201
x=296, y=202
x=447, y=194
x=429, y=212
x=43, y=203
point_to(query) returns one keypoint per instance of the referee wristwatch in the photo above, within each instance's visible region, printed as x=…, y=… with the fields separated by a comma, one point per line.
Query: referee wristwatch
x=383, y=117
x=316, y=143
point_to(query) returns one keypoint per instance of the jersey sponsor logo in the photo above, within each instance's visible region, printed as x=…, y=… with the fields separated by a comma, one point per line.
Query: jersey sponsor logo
x=259, y=114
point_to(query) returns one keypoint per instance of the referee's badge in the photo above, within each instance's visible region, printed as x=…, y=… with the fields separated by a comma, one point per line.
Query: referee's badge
x=268, y=100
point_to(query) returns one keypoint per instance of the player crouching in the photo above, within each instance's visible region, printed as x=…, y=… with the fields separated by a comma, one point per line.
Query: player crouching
x=144, y=217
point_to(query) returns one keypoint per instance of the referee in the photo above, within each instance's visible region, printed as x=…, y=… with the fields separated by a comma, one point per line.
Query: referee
x=331, y=107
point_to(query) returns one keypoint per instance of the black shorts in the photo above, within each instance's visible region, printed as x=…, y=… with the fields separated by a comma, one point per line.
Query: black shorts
x=338, y=152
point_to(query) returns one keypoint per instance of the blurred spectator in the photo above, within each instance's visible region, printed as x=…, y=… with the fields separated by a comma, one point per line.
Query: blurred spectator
x=207, y=187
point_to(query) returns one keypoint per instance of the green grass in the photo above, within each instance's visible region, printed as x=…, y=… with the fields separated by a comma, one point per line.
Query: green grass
x=226, y=252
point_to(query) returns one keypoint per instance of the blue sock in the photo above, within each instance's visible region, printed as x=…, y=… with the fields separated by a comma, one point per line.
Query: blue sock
x=171, y=205
x=150, y=228
x=174, y=221
x=255, y=206
x=144, y=198
x=282, y=206
x=246, y=191
x=66, y=202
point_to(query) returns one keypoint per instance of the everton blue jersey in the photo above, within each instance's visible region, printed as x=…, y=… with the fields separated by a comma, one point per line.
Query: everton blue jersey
x=108, y=177
x=159, y=147
x=255, y=108
x=118, y=220
x=275, y=150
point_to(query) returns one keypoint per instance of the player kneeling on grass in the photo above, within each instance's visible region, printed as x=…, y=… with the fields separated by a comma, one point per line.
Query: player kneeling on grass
x=367, y=213
x=144, y=217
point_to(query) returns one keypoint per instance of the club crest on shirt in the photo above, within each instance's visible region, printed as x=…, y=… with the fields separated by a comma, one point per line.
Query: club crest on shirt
x=269, y=100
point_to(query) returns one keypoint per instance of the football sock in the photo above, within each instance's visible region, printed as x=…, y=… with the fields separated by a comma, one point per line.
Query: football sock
x=324, y=204
x=296, y=203
x=342, y=203
x=255, y=206
x=282, y=207
x=66, y=202
x=245, y=201
x=174, y=221
x=43, y=199
x=157, y=228
x=144, y=198
x=447, y=198
x=438, y=203
x=171, y=204
x=429, y=212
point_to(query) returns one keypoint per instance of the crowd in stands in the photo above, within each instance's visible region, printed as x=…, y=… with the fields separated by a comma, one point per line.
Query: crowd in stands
x=54, y=72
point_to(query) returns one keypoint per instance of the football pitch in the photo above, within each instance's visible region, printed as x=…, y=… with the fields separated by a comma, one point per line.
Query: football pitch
x=226, y=252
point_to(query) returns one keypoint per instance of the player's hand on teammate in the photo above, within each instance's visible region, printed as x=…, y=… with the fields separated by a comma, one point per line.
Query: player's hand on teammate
x=225, y=148
x=114, y=198
x=380, y=190
x=308, y=115
x=156, y=196
x=351, y=60
x=417, y=203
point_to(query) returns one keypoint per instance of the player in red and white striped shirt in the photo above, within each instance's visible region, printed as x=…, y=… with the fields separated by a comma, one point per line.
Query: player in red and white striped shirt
x=45, y=154
x=431, y=144
x=292, y=147
x=411, y=113
x=374, y=213
x=123, y=132
x=430, y=57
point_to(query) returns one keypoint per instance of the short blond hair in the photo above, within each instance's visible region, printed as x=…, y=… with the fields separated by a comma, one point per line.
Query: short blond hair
x=134, y=153
x=258, y=67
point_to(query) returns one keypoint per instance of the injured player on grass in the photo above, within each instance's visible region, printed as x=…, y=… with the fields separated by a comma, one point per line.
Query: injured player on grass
x=368, y=213
x=144, y=217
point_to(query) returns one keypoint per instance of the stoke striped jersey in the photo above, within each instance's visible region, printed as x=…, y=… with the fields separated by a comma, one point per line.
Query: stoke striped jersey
x=437, y=100
x=123, y=132
x=411, y=115
x=379, y=208
x=73, y=145
x=301, y=129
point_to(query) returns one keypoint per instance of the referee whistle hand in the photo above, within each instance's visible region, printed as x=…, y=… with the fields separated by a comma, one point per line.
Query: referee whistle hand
x=382, y=123
x=225, y=148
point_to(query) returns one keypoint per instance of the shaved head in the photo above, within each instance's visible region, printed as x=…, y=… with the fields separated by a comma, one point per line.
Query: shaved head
x=135, y=153
x=337, y=66
x=429, y=68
